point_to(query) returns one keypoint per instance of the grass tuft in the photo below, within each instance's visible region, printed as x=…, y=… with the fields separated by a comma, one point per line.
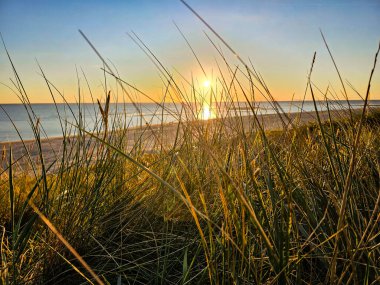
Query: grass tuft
x=242, y=198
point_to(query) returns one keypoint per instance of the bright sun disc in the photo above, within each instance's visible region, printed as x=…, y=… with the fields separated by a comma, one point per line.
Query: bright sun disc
x=206, y=83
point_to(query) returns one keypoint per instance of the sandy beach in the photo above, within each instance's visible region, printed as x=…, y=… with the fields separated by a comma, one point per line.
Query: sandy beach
x=153, y=135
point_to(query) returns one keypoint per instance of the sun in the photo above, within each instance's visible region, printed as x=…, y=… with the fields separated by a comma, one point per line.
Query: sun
x=206, y=83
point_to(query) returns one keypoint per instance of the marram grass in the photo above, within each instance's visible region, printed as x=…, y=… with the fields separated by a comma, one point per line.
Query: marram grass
x=224, y=201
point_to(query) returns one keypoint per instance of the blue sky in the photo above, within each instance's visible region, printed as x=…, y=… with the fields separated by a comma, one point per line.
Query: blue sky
x=280, y=37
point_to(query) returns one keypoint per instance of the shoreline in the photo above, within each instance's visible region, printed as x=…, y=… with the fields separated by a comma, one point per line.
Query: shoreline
x=138, y=128
x=52, y=147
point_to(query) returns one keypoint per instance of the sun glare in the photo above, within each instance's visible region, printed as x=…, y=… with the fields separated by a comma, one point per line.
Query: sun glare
x=206, y=113
x=206, y=83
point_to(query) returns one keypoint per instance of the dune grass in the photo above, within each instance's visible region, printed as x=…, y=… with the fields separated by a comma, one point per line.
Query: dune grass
x=223, y=201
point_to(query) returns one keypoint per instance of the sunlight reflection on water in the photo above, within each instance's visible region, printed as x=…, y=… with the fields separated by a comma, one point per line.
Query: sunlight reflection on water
x=207, y=113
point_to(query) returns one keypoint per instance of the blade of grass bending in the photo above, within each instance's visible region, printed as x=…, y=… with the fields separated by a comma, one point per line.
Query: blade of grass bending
x=323, y=132
x=23, y=95
x=146, y=169
x=200, y=230
x=65, y=242
x=351, y=169
x=297, y=261
x=340, y=77
x=24, y=206
x=334, y=135
x=69, y=263
x=270, y=101
x=191, y=48
x=370, y=222
x=34, y=126
x=21, y=233
x=11, y=194
x=52, y=96
x=159, y=179
x=21, y=139
x=251, y=211
x=163, y=71
x=20, y=85
x=186, y=279
x=109, y=70
x=276, y=104
x=14, y=162
x=4, y=274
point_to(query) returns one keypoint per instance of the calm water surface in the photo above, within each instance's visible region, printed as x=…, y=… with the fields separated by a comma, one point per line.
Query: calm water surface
x=126, y=115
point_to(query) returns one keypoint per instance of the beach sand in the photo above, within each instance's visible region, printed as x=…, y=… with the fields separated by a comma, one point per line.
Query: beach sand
x=151, y=136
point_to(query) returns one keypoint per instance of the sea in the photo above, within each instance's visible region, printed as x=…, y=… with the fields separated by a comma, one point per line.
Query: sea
x=16, y=120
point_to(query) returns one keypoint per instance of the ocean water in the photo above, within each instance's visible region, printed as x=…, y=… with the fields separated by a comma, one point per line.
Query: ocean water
x=52, y=119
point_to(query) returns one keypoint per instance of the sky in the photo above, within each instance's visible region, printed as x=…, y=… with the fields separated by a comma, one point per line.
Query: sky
x=279, y=37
